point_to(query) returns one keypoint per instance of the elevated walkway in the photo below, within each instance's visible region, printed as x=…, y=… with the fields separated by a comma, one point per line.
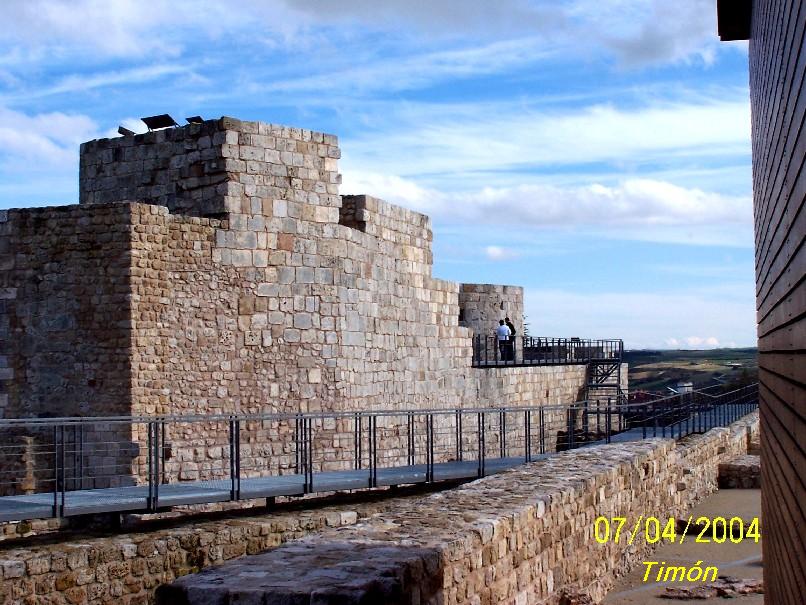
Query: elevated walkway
x=388, y=448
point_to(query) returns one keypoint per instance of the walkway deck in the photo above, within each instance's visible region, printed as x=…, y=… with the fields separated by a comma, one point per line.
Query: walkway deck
x=135, y=498
x=503, y=430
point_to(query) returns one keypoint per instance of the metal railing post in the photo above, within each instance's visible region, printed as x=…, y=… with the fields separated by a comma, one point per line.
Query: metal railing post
x=527, y=434
x=235, y=458
x=542, y=420
x=231, y=458
x=55, y=506
x=155, y=501
x=308, y=428
x=608, y=422
x=410, y=436
x=459, y=452
x=481, y=427
x=502, y=429
x=297, y=444
x=429, y=427
x=373, y=457
x=654, y=419
x=63, y=465
x=163, y=452
x=149, y=465
x=360, y=440
x=356, y=440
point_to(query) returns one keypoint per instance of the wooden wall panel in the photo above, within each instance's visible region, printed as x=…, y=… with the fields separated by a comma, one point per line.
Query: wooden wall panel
x=777, y=82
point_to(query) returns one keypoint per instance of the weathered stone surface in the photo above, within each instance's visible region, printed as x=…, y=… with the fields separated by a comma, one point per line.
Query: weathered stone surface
x=126, y=569
x=343, y=573
x=524, y=536
x=215, y=268
x=483, y=305
x=742, y=472
x=726, y=587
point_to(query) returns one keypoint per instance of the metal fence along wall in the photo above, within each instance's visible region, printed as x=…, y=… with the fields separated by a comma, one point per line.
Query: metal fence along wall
x=91, y=465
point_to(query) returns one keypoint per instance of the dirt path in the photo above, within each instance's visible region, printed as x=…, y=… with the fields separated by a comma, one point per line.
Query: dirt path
x=740, y=560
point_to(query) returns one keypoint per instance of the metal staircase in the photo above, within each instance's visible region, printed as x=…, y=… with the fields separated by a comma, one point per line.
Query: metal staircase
x=603, y=376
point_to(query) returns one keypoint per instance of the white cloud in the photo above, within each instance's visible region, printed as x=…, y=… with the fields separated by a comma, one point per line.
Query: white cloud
x=114, y=28
x=137, y=75
x=445, y=18
x=695, y=342
x=637, y=209
x=417, y=70
x=499, y=253
x=634, y=31
x=50, y=139
x=439, y=139
x=637, y=32
x=136, y=125
x=642, y=32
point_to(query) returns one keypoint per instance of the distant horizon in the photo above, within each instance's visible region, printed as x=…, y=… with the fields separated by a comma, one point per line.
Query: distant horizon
x=698, y=350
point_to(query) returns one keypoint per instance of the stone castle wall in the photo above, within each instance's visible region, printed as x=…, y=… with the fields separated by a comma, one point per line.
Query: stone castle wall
x=65, y=336
x=215, y=269
x=64, y=312
x=483, y=305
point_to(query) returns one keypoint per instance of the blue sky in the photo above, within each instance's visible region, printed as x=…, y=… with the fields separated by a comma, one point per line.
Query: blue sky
x=595, y=152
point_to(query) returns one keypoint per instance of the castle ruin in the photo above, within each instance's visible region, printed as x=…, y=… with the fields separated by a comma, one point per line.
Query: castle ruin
x=215, y=269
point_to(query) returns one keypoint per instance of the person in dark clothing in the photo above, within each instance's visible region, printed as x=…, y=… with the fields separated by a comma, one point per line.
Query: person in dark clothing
x=511, y=343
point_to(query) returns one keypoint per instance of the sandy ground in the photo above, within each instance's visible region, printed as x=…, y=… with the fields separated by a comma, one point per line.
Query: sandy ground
x=740, y=560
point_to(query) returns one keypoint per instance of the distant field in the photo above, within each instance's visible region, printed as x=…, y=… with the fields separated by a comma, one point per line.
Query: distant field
x=657, y=370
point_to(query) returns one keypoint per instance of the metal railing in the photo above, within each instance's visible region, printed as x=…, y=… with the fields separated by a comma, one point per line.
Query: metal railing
x=74, y=466
x=488, y=351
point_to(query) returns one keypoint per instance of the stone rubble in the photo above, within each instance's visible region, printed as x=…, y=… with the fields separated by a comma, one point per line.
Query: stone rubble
x=726, y=587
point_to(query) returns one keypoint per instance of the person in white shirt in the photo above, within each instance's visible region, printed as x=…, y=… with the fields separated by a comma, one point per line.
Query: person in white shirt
x=503, y=333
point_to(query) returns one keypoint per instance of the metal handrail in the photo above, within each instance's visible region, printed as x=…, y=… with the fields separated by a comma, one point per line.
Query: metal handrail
x=487, y=439
x=489, y=351
x=279, y=416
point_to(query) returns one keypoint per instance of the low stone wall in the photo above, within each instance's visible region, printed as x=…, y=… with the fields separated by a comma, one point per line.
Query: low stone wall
x=742, y=472
x=126, y=569
x=519, y=537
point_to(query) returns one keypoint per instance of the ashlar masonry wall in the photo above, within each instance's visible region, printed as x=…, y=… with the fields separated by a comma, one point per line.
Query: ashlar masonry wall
x=483, y=305
x=241, y=281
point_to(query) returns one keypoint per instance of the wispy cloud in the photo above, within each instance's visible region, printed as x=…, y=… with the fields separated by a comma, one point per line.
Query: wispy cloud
x=636, y=209
x=50, y=139
x=138, y=75
x=417, y=70
x=434, y=139
x=635, y=32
